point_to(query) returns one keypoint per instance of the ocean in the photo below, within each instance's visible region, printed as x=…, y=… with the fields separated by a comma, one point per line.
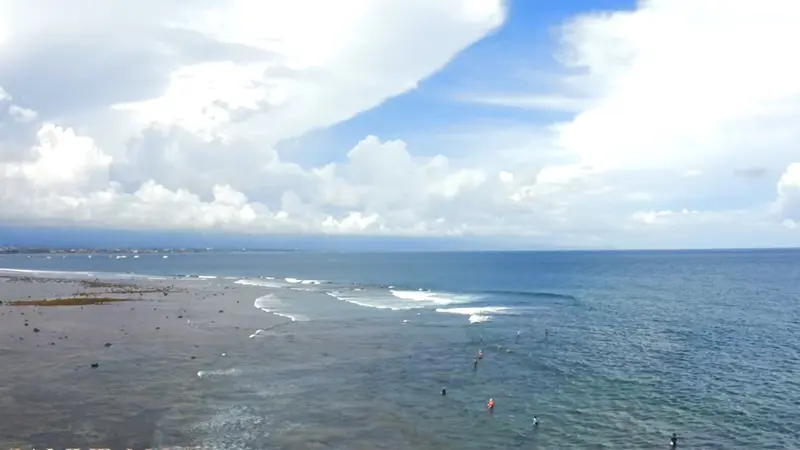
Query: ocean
x=609, y=350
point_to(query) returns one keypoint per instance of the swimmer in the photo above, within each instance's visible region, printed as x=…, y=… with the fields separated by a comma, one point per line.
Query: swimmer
x=546, y=333
x=480, y=354
x=535, y=421
x=475, y=364
x=444, y=391
x=490, y=405
x=673, y=441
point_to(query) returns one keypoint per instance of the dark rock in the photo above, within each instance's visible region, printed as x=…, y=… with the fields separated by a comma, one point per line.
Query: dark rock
x=36, y=330
x=180, y=317
x=95, y=365
x=194, y=357
x=108, y=344
x=221, y=311
x=158, y=328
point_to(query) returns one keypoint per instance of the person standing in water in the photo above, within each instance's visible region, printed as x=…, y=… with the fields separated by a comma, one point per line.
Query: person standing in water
x=444, y=391
x=673, y=441
x=518, y=333
x=475, y=364
x=535, y=421
x=490, y=405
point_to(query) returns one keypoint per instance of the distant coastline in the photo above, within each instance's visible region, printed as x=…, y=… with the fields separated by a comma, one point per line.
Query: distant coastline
x=8, y=250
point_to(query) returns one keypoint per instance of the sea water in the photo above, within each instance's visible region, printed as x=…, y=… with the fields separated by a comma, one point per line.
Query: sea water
x=615, y=349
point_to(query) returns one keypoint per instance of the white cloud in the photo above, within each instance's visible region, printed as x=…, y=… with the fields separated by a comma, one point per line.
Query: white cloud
x=16, y=112
x=788, y=202
x=687, y=84
x=22, y=114
x=676, y=101
x=188, y=102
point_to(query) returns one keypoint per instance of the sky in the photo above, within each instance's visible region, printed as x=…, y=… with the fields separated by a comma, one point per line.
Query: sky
x=571, y=124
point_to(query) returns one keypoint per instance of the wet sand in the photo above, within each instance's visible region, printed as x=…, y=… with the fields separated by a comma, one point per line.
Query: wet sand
x=148, y=351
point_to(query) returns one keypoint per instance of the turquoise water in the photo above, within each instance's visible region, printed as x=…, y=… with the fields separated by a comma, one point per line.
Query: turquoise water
x=639, y=345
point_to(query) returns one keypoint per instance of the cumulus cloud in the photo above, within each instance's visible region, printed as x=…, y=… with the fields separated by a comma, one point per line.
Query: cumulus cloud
x=681, y=103
x=788, y=202
x=679, y=112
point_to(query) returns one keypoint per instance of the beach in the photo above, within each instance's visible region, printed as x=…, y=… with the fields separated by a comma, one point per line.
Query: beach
x=147, y=350
x=192, y=362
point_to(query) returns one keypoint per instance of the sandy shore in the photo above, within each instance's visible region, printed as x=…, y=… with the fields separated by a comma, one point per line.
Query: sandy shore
x=147, y=351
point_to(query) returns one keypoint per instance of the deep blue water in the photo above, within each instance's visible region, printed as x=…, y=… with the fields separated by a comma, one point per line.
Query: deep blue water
x=640, y=345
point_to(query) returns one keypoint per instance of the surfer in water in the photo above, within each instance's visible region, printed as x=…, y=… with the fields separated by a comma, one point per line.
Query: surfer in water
x=673, y=441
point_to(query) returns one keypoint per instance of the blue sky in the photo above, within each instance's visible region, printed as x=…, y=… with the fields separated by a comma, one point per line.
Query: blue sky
x=520, y=55
x=671, y=124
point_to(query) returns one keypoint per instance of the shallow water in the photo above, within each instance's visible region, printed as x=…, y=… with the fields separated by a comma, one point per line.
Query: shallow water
x=640, y=345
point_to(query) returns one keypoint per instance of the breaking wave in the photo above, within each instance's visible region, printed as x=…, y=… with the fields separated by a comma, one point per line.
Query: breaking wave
x=273, y=305
x=398, y=300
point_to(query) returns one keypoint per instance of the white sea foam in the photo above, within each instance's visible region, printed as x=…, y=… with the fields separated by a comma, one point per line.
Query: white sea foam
x=46, y=273
x=207, y=373
x=432, y=298
x=259, y=283
x=478, y=310
x=480, y=314
x=299, y=281
x=232, y=429
x=301, y=289
x=364, y=302
x=273, y=305
x=207, y=277
x=398, y=300
x=257, y=333
x=479, y=318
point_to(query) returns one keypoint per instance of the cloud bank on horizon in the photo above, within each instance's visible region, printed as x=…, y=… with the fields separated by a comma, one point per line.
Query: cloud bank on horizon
x=671, y=124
